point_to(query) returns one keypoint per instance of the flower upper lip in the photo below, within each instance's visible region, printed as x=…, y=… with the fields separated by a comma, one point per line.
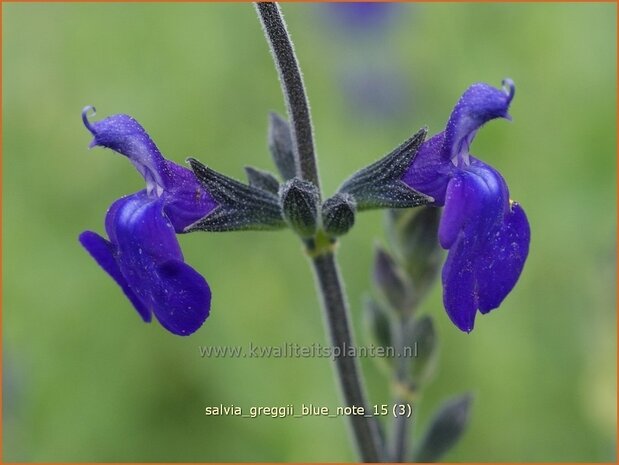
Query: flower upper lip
x=479, y=104
x=125, y=135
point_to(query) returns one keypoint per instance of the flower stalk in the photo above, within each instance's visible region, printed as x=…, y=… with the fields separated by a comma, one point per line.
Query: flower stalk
x=293, y=88
x=365, y=429
x=403, y=393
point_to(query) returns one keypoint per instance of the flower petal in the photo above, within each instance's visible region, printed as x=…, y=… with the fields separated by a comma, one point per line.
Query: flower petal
x=141, y=231
x=150, y=259
x=125, y=135
x=103, y=253
x=430, y=171
x=473, y=205
x=459, y=286
x=186, y=199
x=472, y=228
x=454, y=213
x=479, y=104
x=183, y=300
x=462, y=230
x=499, y=266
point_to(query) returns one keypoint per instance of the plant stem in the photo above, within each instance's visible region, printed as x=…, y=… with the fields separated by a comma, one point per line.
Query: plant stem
x=401, y=424
x=366, y=429
x=401, y=434
x=293, y=88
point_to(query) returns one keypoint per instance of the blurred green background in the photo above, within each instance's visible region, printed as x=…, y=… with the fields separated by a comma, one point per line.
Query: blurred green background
x=85, y=380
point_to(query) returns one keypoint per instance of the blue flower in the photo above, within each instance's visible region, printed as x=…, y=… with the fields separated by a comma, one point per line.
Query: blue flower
x=362, y=17
x=142, y=254
x=487, y=234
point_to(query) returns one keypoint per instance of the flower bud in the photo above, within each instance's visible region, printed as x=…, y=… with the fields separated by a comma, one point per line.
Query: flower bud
x=445, y=429
x=338, y=214
x=299, y=204
x=392, y=282
x=423, y=336
x=377, y=322
x=414, y=236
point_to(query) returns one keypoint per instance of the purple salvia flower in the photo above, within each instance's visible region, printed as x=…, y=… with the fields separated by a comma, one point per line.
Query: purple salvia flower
x=486, y=233
x=142, y=254
x=362, y=17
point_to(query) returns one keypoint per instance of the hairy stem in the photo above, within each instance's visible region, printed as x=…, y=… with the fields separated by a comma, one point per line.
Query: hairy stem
x=365, y=429
x=293, y=88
